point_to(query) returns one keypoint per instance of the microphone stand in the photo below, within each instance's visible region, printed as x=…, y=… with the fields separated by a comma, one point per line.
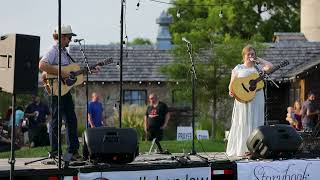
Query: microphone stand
x=85, y=60
x=265, y=78
x=12, y=159
x=194, y=78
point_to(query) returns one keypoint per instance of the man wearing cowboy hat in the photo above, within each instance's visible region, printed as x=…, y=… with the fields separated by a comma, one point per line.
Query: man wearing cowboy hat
x=48, y=64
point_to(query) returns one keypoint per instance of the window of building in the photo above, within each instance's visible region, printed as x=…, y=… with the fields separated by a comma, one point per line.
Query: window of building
x=135, y=97
x=294, y=94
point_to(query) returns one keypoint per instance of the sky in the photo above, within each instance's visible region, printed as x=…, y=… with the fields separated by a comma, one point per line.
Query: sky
x=96, y=21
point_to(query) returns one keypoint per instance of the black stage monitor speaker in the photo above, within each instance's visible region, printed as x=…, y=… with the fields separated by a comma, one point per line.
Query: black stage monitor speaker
x=111, y=145
x=19, y=58
x=273, y=141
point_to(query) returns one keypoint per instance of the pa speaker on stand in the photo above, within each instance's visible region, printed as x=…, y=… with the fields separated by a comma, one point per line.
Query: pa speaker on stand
x=19, y=59
x=276, y=141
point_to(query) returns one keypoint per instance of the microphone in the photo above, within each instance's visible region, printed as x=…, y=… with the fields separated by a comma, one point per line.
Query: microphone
x=77, y=40
x=252, y=59
x=185, y=40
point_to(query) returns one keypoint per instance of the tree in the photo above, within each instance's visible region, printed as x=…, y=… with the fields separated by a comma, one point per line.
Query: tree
x=242, y=18
x=217, y=44
x=140, y=41
x=213, y=66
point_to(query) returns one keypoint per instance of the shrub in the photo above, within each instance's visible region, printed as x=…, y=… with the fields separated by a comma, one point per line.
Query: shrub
x=132, y=117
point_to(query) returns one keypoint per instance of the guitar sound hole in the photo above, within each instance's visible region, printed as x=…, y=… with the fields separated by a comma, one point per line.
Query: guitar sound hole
x=70, y=81
x=252, y=86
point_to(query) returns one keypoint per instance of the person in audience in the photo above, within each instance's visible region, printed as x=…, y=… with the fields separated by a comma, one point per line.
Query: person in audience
x=309, y=112
x=5, y=143
x=297, y=114
x=37, y=114
x=18, y=120
x=95, y=115
x=291, y=117
x=6, y=118
x=156, y=120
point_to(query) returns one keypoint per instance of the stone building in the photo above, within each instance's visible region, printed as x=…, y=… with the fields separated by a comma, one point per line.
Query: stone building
x=141, y=73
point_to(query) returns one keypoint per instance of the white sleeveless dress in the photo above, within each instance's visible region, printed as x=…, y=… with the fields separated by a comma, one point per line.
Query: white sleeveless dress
x=245, y=117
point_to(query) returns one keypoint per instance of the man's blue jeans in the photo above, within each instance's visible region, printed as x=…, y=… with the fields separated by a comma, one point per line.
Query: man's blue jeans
x=67, y=111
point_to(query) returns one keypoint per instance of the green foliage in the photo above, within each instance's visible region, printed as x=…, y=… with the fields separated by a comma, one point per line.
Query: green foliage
x=140, y=41
x=80, y=130
x=212, y=66
x=214, y=60
x=204, y=122
x=240, y=18
x=219, y=130
x=132, y=117
x=6, y=100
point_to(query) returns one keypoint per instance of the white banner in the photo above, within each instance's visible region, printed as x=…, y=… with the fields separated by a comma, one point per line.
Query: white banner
x=202, y=134
x=279, y=170
x=184, y=133
x=201, y=173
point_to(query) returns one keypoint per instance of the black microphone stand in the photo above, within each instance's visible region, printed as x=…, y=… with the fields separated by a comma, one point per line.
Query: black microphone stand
x=194, y=78
x=266, y=77
x=123, y=3
x=59, y=87
x=85, y=60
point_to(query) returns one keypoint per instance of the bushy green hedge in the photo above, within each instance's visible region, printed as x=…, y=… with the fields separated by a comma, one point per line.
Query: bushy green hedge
x=132, y=117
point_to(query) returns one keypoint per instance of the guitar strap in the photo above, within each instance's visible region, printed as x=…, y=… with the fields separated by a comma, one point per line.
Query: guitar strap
x=66, y=52
x=71, y=58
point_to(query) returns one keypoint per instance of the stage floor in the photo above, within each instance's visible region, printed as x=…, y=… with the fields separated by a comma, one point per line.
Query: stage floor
x=141, y=162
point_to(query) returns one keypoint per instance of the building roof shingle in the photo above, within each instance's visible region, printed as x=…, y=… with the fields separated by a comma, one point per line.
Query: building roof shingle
x=139, y=63
x=298, y=53
x=142, y=63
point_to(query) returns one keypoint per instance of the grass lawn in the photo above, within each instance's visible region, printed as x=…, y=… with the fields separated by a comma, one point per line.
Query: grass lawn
x=172, y=146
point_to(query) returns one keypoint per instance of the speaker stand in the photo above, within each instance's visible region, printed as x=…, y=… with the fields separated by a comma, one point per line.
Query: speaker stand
x=12, y=159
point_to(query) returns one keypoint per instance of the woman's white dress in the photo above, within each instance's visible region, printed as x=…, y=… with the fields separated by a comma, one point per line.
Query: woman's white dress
x=245, y=117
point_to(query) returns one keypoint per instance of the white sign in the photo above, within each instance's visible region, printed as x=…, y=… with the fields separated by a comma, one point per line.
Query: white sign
x=201, y=173
x=279, y=170
x=184, y=133
x=202, y=134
